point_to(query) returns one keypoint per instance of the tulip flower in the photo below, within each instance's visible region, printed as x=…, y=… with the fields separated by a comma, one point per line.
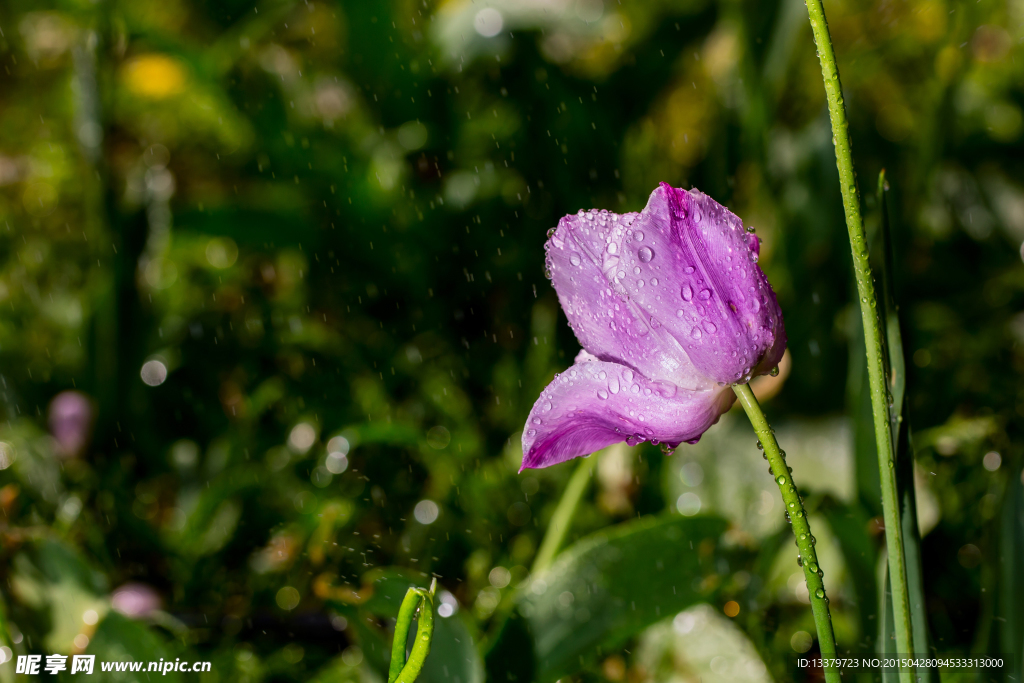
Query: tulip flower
x=671, y=309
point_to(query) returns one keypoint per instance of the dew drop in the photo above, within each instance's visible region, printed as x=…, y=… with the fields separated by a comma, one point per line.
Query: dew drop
x=602, y=394
x=666, y=388
x=627, y=375
x=546, y=407
x=639, y=236
x=704, y=295
x=613, y=248
x=820, y=593
x=645, y=254
x=574, y=259
x=696, y=333
x=636, y=270
x=781, y=480
x=687, y=293
x=654, y=282
x=613, y=385
x=710, y=327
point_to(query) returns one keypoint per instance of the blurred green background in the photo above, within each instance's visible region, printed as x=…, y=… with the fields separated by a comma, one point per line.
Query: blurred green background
x=287, y=258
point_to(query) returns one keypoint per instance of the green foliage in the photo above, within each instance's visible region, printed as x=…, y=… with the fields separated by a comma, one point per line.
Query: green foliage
x=291, y=254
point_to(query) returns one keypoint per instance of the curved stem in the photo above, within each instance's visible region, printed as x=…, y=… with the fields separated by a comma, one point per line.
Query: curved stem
x=880, y=400
x=402, y=670
x=562, y=519
x=801, y=527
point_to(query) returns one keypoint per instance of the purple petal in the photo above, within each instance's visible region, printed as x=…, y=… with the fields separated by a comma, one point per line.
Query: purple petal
x=674, y=291
x=594, y=404
x=587, y=271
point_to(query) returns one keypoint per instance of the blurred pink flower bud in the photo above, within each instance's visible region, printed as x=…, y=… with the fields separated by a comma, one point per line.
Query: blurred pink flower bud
x=135, y=600
x=71, y=416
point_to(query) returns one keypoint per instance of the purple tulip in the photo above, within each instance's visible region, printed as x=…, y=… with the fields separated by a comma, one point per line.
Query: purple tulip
x=70, y=422
x=671, y=308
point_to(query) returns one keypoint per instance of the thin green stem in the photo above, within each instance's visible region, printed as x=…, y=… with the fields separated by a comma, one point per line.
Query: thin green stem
x=801, y=527
x=402, y=670
x=872, y=330
x=562, y=519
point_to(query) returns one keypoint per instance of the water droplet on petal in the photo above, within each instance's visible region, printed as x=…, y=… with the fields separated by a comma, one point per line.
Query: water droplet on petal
x=613, y=385
x=613, y=248
x=705, y=294
x=546, y=407
x=666, y=388
x=636, y=270
x=602, y=394
x=687, y=293
x=654, y=282
x=710, y=327
x=696, y=333
x=574, y=259
x=639, y=236
x=627, y=375
x=645, y=254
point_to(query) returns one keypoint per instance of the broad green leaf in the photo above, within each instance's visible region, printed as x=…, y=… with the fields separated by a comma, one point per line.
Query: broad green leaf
x=120, y=639
x=608, y=587
x=849, y=524
x=52, y=576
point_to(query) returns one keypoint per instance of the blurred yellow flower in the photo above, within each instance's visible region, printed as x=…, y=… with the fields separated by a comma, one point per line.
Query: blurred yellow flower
x=155, y=76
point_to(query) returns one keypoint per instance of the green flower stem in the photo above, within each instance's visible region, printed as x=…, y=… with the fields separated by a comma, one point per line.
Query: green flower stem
x=401, y=670
x=801, y=528
x=562, y=519
x=872, y=331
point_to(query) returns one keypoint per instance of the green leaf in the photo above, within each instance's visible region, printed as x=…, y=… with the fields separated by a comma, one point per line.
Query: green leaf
x=849, y=523
x=120, y=639
x=608, y=587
